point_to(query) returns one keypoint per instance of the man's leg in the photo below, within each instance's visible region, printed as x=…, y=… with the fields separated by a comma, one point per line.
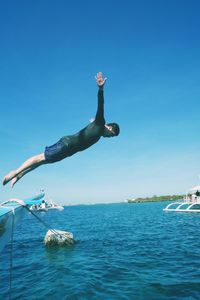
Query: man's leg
x=29, y=164
x=20, y=175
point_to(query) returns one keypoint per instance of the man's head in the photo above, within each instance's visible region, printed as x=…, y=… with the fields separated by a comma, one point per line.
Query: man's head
x=111, y=129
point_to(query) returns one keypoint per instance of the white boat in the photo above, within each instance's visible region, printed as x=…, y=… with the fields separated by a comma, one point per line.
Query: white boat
x=52, y=205
x=11, y=213
x=190, y=203
x=46, y=205
x=39, y=207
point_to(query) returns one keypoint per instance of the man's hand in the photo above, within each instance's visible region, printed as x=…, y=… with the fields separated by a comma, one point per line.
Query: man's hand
x=99, y=79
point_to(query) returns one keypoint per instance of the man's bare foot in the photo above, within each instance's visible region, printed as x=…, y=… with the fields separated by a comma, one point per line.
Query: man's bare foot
x=8, y=177
x=14, y=180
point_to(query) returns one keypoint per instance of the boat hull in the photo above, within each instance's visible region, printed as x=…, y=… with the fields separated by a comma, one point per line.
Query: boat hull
x=9, y=218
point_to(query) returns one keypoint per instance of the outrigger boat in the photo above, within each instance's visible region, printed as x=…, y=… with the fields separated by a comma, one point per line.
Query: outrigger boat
x=13, y=210
x=190, y=203
x=11, y=213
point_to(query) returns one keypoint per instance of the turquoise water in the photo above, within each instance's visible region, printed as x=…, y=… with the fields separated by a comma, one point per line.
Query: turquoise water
x=123, y=251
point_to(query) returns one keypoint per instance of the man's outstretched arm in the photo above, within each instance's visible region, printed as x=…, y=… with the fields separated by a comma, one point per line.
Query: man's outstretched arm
x=100, y=110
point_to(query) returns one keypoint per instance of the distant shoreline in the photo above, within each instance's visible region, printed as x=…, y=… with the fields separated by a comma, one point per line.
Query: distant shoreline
x=156, y=198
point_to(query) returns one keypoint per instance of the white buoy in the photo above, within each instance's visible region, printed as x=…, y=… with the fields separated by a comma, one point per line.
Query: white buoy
x=58, y=238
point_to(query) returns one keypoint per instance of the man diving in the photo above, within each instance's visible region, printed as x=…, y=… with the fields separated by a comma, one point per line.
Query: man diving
x=70, y=144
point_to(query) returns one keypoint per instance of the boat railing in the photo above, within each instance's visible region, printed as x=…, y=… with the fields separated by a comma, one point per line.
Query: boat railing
x=191, y=199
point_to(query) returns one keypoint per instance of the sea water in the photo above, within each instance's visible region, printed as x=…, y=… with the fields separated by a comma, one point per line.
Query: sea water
x=122, y=251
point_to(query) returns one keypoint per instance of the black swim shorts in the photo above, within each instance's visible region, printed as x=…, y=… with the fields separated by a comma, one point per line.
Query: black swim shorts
x=56, y=151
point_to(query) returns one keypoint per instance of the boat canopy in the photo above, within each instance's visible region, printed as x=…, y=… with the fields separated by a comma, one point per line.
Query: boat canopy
x=195, y=188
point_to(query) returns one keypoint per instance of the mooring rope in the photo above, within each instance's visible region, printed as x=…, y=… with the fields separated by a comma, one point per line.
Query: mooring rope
x=45, y=224
x=22, y=203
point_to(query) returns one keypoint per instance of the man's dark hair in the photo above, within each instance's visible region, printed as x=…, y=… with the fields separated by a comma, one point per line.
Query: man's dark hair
x=115, y=127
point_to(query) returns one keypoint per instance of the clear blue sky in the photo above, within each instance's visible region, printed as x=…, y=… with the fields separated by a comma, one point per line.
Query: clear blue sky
x=150, y=52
